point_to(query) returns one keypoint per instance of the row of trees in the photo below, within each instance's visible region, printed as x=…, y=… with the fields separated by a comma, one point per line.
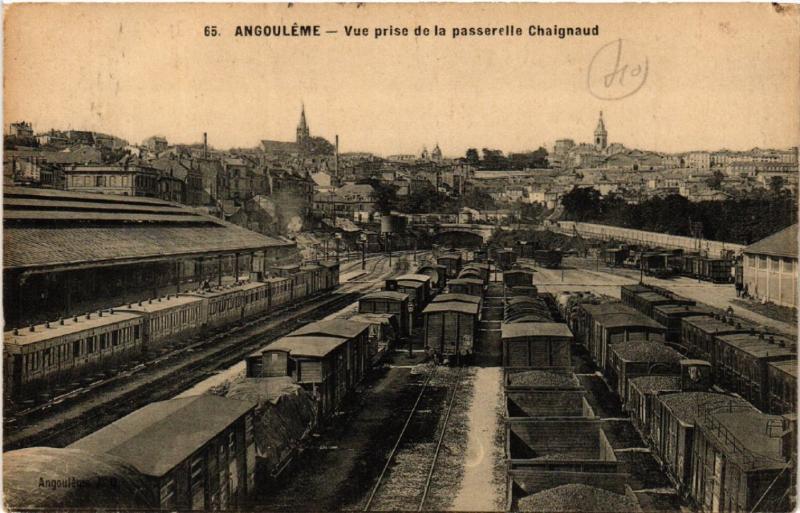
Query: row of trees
x=495, y=159
x=742, y=220
x=426, y=199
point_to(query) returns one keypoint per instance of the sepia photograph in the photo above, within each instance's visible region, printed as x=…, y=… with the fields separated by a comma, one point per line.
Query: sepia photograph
x=480, y=257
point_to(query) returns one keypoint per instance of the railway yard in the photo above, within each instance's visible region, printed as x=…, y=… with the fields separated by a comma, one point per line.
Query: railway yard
x=440, y=382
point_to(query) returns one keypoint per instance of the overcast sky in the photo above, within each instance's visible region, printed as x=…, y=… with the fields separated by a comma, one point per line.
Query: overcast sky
x=717, y=76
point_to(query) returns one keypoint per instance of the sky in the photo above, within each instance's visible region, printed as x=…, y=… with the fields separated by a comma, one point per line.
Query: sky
x=717, y=76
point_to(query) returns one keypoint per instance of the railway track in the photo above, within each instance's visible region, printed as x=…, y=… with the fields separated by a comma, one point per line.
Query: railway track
x=60, y=423
x=405, y=481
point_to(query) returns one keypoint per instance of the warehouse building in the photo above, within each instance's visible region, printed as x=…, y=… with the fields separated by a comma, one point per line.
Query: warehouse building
x=770, y=268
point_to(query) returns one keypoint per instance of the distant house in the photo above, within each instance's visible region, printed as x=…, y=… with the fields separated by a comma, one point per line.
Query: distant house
x=770, y=268
x=156, y=143
x=21, y=129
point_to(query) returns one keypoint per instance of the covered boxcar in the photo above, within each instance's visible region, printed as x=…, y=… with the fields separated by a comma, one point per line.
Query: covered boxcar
x=472, y=286
x=437, y=274
x=742, y=361
x=356, y=335
x=386, y=301
x=382, y=333
x=452, y=262
x=518, y=278
x=481, y=268
x=330, y=275
x=737, y=461
x=423, y=279
x=505, y=258
x=782, y=380
x=536, y=344
x=615, y=257
x=646, y=301
x=628, y=360
x=629, y=292
x=698, y=334
x=548, y=258
x=450, y=327
x=670, y=316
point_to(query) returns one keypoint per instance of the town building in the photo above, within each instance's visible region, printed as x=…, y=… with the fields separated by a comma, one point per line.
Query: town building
x=770, y=268
x=20, y=129
x=156, y=144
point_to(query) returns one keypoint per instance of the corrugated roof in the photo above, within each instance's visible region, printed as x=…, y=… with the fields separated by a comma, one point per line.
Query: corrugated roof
x=452, y=306
x=36, y=236
x=535, y=329
x=188, y=423
x=343, y=328
x=782, y=244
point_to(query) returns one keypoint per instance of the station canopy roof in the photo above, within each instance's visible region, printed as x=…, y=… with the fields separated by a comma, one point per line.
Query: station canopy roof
x=59, y=230
x=780, y=244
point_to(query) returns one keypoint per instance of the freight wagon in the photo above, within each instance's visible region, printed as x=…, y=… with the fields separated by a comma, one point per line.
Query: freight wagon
x=452, y=262
x=450, y=328
x=437, y=274
x=782, y=382
x=536, y=344
x=548, y=258
x=505, y=258
x=646, y=301
x=518, y=278
x=670, y=316
x=628, y=360
x=473, y=286
x=424, y=282
x=386, y=301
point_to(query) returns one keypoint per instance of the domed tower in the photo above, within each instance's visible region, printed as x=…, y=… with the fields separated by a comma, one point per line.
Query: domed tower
x=303, y=134
x=436, y=154
x=600, y=134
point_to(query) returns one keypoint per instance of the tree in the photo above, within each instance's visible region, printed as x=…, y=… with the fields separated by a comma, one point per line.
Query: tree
x=582, y=204
x=385, y=194
x=776, y=184
x=494, y=159
x=472, y=157
x=715, y=181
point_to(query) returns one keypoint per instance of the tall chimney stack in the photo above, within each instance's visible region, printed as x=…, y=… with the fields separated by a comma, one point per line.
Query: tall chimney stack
x=336, y=158
x=205, y=144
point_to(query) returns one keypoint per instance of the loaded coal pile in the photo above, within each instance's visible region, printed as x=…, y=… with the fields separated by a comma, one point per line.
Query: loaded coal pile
x=543, y=379
x=285, y=415
x=578, y=498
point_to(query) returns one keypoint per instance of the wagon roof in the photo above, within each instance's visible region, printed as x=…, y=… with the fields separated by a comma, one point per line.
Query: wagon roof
x=711, y=324
x=343, y=328
x=526, y=317
x=309, y=345
x=645, y=351
x=515, y=300
x=414, y=277
x=410, y=283
x=686, y=310
x=373, y=318
x=189, y=423
x=518, y=271
x=653, y=296
x=786, y=366
x=465, y=281
x=751, y=430
x=535, y=329
x=457, y=297
x=225, y=289
x=452, y=306
x=612, y=307
x=42, y=333
x=329, y=263
x=161, y=303
x=386, y=294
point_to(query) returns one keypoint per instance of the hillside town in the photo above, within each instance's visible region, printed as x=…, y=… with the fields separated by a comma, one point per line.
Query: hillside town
x=284, y=188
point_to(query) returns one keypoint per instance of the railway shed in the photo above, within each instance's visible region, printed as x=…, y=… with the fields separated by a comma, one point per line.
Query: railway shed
x=536, y=344
x=66, y=252
x=782, y=382
x=387, y=301
x=450, y=327
x=208, y=461
x=737, y=461
x=639, y=358
x=472, y=286
x=317, y=363
x=670, y=316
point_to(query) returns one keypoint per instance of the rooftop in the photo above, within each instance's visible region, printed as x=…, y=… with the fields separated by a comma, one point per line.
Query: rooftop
x=48, y=229
x=343, y=328
x=781, y=244
x=453, y=296
x=310, y=346
x=452, y=306
x=386, y=294
x=161, y=303
x=42, y=332
x=646, y=351
x=687, y=406
x=189, y=423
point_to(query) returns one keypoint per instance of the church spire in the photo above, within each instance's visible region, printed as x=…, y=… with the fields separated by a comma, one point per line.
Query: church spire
x=303, y=133
x=600, y=134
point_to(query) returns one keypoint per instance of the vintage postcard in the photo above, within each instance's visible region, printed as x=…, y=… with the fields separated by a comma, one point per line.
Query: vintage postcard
x=400, y=257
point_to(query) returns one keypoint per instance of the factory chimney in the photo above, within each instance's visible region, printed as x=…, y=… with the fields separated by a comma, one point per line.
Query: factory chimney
x=336, y=158
x=205, y=145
